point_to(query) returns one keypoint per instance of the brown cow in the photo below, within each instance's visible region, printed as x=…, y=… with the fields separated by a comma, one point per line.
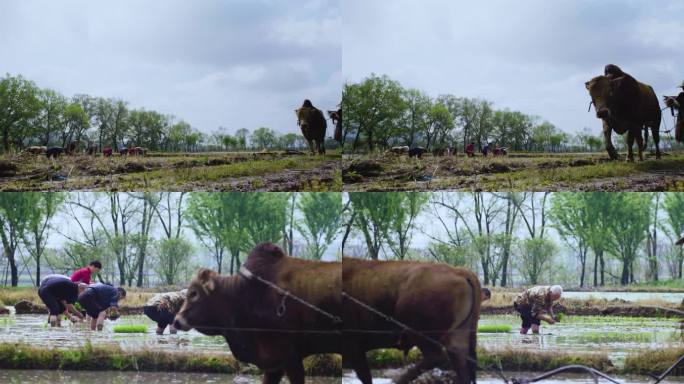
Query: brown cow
x=312, y=122
x=235, y=306
x=137, y=151
x=437, y=300
x=625, y=105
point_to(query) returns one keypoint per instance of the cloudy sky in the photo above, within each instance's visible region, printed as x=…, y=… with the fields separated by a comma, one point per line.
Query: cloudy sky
x=532, y=55
x=231, y=63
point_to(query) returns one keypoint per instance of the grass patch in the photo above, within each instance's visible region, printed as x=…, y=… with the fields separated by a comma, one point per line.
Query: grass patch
x=111, y=358
x=513, y=360
x=494, y=328
x=654, y=362
x=130, y=328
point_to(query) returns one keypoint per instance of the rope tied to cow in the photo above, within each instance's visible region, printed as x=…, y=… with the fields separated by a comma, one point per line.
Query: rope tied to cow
x=280, y=311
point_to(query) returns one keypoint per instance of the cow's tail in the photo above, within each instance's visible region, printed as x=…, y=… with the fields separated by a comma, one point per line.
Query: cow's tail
x=470, y=322
x=473, y=320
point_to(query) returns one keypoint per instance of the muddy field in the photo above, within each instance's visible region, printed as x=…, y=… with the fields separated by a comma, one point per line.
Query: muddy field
x=240, y=171
x=519, y=172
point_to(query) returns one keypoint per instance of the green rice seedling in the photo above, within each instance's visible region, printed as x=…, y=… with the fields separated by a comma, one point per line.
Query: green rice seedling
x=494, y=328
x=7, y=321
x=130, y=328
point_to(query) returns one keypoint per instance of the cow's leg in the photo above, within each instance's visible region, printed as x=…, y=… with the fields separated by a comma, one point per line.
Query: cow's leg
x=272, y=377
x=360, y=366
x=656, y=139
x=640, y=145
x=459, y=351
x=295, y=371
x=630, y=143
x=431, y=358
x=608, y=141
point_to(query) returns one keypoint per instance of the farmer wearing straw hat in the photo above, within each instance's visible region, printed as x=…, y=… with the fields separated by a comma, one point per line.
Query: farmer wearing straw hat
x=676, y=102
x=536, y=304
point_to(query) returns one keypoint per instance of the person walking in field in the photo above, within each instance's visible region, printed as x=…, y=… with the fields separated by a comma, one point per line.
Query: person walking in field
x=470, y=150
x=97, y=298
x=84, y=275
x=60, y=294
x=536, y=304
x=677, y=102
x=163, y=307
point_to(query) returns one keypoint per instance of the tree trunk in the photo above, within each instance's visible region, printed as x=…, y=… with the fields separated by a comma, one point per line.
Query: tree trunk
x=624, y=280
x=596, y=269
x=37, y=269
x=13, y=266
x=603, y=269
x=583, y=261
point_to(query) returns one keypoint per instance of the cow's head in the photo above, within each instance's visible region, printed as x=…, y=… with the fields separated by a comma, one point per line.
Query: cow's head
x=602, y=90
x=303, y=117
x=205, y=305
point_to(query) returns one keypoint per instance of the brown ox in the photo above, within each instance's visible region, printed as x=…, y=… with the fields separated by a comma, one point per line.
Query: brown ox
x=441, y=302
x=313, y=125
x=625, y=105
x=137, y=151
x=236, y=306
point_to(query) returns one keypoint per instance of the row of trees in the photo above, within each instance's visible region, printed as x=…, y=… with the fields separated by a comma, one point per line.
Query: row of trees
x=527, y=237
x=30, y=115
x=149, y=238
x=380, y=113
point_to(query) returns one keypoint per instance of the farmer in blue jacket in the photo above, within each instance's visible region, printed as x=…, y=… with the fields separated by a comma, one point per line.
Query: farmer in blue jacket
x=97, y=299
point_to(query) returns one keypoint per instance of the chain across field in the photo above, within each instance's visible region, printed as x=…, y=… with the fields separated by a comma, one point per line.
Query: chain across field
x=216, y=171
x=516, y=171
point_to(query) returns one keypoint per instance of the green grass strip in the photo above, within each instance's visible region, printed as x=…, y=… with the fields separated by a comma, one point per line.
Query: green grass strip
x=494, y=328
x=132, y=328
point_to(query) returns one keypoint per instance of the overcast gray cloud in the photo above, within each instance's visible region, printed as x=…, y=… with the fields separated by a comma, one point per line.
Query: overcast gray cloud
x=232, y=63
x=533, y=55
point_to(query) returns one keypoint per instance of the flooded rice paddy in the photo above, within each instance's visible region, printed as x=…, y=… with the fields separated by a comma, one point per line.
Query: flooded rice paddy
x=34, y=330
x=670, y=297
x=616, y=336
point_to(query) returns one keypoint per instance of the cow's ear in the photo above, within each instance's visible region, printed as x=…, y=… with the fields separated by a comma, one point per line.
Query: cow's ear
x=207, y=278
x=616, y=83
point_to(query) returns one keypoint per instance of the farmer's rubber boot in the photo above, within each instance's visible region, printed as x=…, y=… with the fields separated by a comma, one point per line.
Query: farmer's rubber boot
x=535, y=329
x=172, y=329
x=160, y=331
x=523, y=331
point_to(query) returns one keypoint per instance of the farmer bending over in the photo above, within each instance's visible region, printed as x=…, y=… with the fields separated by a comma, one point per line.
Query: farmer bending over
x=536, y=304
x=97, y=299
x=163, y=307
x=59, y=294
